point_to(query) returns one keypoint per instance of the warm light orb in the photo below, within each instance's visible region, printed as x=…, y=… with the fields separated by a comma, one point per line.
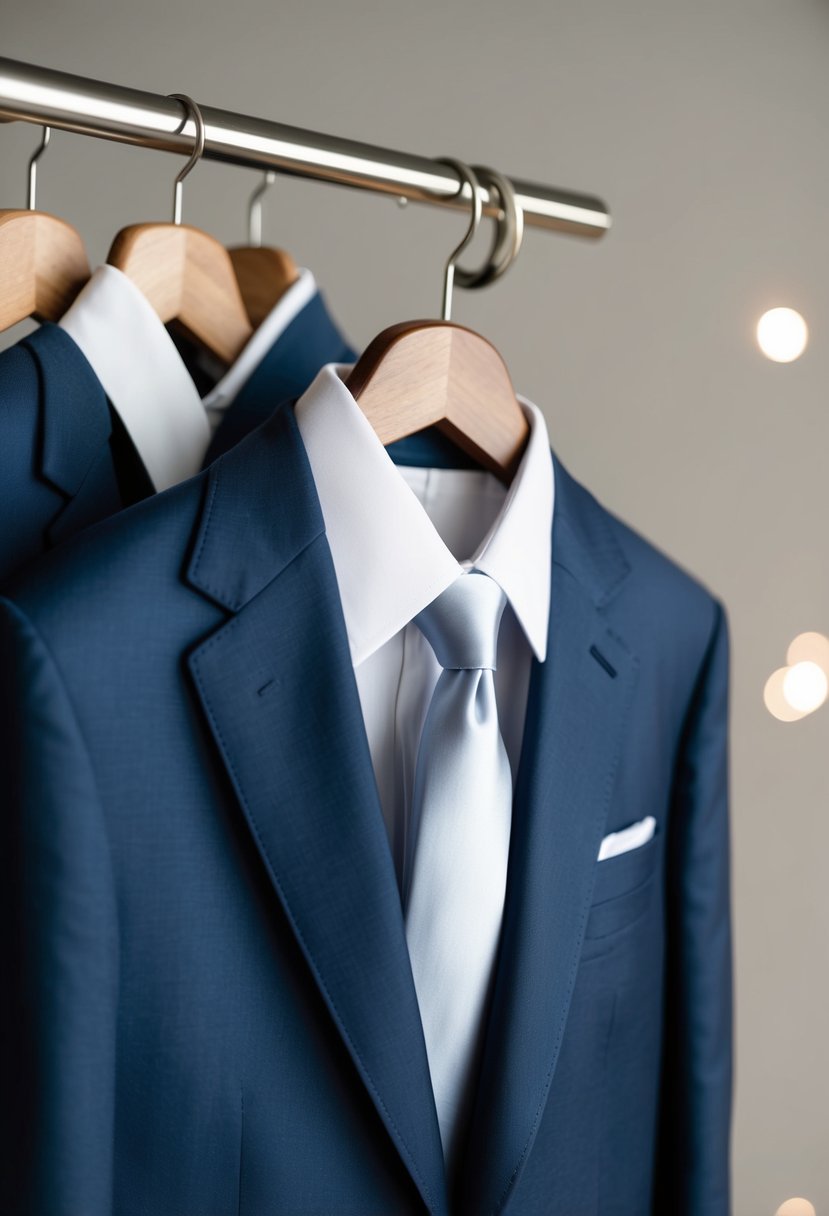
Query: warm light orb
x=782, y=334
x=809, y=647
x=796, y=1207
x=805, y=686
x=775, y=698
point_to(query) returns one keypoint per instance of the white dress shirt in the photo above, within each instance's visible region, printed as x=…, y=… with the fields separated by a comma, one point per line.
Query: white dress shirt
x=398, y=537
x=147, y=382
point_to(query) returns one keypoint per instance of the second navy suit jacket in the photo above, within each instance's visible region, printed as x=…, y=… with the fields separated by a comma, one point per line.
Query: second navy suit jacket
x=209, y=1006
x=66, y=460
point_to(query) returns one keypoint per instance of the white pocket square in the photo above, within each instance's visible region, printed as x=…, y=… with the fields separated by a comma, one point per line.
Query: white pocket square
x=629, y=838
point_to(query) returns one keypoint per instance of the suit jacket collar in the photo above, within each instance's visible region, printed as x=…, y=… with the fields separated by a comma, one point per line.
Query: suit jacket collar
x=277, y=686
x=250, y=530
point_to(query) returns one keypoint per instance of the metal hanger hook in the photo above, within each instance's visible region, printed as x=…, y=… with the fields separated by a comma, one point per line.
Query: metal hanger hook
x=255, y=208
x=508, y=235
x=44, y=144
x=467, y=178
x=195, y=113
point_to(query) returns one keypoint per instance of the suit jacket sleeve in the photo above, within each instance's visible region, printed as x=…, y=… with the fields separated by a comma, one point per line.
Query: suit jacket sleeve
x=693, y=1171
x=58, y=949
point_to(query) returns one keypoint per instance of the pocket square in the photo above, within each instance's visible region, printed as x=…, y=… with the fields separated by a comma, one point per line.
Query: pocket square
x=629, y=838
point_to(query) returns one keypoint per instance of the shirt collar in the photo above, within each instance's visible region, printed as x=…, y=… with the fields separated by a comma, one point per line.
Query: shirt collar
x=287, y=308
x=145, y=378
x=142, y=374
x=370, y=510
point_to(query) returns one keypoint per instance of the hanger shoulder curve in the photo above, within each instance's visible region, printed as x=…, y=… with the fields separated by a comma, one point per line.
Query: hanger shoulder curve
x=188, y=277
x=44, y=263
x=264, y=274
x=435, y=373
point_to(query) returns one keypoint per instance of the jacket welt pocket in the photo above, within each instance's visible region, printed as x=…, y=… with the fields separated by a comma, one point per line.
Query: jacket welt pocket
x=622, y=890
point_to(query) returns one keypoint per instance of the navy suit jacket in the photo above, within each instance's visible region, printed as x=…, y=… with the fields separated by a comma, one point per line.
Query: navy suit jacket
x=209, y=1007
x=65, y=459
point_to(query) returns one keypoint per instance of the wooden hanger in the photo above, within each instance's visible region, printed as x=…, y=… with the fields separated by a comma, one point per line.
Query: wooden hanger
x=185, y=273
x=43, y=258
x=263, y=273
x=434, y=373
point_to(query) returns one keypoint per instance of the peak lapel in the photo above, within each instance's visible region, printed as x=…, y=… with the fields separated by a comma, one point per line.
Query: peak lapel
x=277, y=686
x=578, y=704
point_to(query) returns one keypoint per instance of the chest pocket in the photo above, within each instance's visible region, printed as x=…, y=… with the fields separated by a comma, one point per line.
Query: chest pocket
x=623, y=889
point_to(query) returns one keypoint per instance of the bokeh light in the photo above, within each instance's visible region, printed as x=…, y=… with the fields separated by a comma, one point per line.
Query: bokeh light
x=802, y=686
x=775, y=698
x=805, y=686
x=796, y=1207
x=782, y=334
x=809, y=648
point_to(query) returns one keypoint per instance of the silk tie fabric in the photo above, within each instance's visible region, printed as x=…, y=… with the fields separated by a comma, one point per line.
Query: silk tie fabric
x=455, y=880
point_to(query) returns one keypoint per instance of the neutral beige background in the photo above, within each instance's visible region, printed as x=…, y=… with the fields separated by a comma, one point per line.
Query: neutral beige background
x=705, y=127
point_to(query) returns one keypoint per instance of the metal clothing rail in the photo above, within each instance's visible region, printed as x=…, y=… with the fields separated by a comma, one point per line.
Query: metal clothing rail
x=92, y=107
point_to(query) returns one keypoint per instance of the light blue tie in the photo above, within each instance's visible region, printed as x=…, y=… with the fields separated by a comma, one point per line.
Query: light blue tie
x=454, y=884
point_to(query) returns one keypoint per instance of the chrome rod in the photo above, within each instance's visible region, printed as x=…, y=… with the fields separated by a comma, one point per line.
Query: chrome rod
x=91, y=107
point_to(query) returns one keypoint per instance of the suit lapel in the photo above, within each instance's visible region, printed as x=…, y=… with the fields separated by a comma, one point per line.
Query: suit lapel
x=74, y=454
x=277, y=687
x=97, y=497
x=578, y=704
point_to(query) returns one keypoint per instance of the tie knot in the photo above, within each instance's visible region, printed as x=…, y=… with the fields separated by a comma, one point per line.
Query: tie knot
x=462, y=624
